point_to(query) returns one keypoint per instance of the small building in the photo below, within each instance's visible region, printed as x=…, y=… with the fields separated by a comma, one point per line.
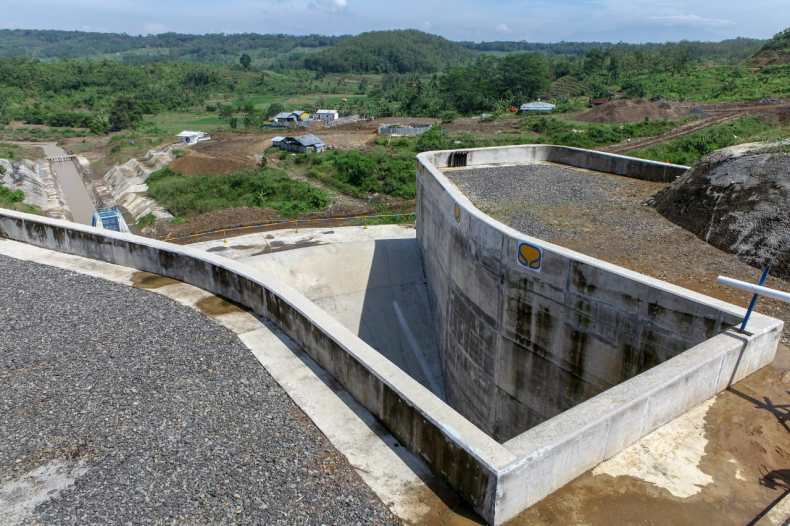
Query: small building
x=303, y=144
x=400, y=130
x=598, y=102
x=109, y=219
x=291, y=118
x=193, y=137
x=537, y=107
x=327, y=116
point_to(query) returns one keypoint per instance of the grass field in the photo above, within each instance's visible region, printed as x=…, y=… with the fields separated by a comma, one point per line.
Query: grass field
x=174, y=122
x=16, y=151
x=691, y=148
x=189, y=196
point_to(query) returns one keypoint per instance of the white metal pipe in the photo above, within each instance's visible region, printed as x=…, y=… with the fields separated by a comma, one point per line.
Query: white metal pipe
x=755, y=289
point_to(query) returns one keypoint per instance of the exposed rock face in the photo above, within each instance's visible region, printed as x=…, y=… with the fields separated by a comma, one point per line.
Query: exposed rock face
x=738, y=199
x=127, y=184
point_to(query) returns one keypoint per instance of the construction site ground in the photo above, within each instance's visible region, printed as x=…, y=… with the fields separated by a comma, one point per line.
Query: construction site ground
x=231, y=151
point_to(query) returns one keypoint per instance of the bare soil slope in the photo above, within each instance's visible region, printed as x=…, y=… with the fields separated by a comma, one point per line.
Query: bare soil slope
x=628, y=110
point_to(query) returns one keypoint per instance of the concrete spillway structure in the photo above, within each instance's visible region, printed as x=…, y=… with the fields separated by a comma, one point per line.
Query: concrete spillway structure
x=551, y=361
x=562, y=358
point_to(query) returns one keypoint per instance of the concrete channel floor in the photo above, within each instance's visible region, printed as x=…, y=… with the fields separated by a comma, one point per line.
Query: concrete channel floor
x=77, y=197
x=724, y=462
x=369, y=278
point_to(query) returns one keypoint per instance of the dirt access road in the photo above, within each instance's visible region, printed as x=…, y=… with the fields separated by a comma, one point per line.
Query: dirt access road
x=716, y=114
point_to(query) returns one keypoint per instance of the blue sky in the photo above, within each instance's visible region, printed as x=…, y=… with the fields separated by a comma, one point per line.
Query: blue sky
x=537, y=21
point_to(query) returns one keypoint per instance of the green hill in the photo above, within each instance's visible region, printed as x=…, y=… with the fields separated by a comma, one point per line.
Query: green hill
x=403, y=51
x=208, y=49
x=775, y=51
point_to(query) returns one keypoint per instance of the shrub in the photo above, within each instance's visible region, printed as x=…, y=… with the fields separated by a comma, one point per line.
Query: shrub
x=263, y=188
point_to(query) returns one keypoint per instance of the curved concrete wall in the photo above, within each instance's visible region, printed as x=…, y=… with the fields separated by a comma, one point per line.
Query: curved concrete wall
x=454, y=448
x=520, y=346
x=460, y=245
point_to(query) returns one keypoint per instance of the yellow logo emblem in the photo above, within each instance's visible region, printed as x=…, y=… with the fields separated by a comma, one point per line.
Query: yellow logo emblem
x=530, y=256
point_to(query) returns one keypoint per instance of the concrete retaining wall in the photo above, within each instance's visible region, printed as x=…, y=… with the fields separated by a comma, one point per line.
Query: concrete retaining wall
x=523, y=349
x=519, y=346
x=394, y=130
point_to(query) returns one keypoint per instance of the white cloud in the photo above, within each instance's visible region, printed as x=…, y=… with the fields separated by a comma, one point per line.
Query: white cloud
x=692, y=20
x=330, y=6
x=154, y=28
x=503, y=28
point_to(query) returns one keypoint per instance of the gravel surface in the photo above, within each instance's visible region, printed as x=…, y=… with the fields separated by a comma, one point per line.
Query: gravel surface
x=605, y=216
x=519, y=196
x=164, y=415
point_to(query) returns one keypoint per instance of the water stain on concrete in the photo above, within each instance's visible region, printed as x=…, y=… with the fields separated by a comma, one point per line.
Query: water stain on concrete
x=233, y=247
x=216, y=306
x=146, y=280
x=280, y=246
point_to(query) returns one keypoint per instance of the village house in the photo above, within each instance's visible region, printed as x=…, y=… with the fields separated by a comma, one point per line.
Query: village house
x=327, y=116
x=291, y=118
x=303, y=144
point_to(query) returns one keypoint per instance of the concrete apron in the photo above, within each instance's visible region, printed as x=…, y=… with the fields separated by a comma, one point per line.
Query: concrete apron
x=401, y=480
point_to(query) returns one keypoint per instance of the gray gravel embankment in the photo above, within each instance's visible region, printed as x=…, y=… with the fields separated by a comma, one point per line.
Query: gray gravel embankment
x=173, y=418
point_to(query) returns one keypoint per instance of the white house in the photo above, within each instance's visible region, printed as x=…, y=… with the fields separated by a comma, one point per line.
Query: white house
x=327, y=116
x=193, y=137
x=538, y=107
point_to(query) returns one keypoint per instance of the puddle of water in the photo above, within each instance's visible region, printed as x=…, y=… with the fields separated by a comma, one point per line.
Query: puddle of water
x=215, y=306
x=146, y=280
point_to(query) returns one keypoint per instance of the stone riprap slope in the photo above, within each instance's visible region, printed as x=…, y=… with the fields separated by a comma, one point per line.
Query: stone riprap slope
x=127, y=183
x=36, y=181
x=121, y=406
x=738, y=199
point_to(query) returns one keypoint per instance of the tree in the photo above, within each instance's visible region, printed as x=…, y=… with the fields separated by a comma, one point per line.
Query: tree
x=524, y=75
x=245, y=61
x=125, y=113
x=274, y=109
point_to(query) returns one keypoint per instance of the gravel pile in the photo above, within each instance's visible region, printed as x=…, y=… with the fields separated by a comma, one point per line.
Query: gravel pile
x=519, y=195
x=174, y=420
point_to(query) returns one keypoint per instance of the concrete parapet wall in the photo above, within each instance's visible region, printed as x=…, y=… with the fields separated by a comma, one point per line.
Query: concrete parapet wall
x=454, y=448
x=579, y=158
x=570, y=362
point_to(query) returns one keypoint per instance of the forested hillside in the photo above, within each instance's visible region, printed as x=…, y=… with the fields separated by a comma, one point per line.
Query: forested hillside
x=406, y=51
x=732, y=50
x=218, y=48
x=775, y=51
